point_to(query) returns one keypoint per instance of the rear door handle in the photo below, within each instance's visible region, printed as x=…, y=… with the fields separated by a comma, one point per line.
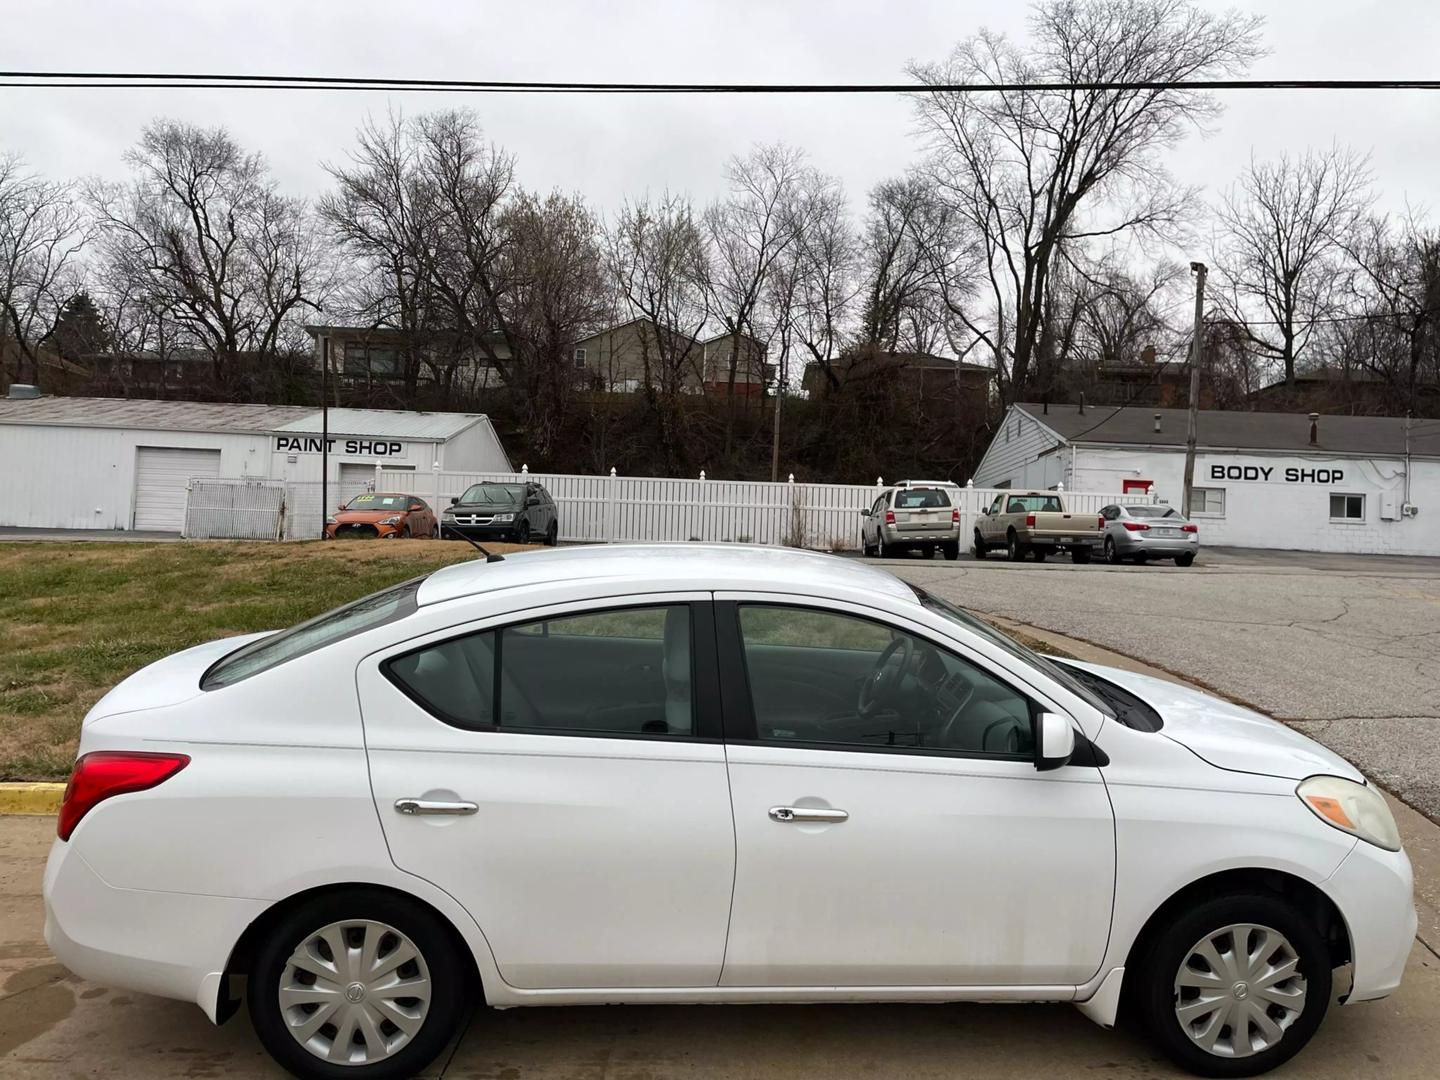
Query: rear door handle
x=415, y=807
x=806, y=813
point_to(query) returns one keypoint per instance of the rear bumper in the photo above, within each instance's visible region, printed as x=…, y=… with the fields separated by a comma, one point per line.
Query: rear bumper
x=1060, y=541
x=1374, y=890
x=1138, y=544
x=173, y=945
x=897, y=537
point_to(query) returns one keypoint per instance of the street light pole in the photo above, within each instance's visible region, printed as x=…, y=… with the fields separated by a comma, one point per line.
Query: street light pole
x=1196, y=351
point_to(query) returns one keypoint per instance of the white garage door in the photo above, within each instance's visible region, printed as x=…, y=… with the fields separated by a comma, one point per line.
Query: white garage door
x=161, y=473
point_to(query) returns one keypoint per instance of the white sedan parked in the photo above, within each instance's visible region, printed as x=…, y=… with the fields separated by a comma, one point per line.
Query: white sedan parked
x=705, y=774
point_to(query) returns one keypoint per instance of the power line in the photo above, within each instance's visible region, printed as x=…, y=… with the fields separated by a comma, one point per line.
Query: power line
x=113, y=80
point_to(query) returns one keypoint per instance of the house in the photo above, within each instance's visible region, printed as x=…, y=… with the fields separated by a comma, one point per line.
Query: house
x=1344, y=390
x=361, y=356
x=752, y=373
x=928, y=375
x=1270, y=480
x=624, y=357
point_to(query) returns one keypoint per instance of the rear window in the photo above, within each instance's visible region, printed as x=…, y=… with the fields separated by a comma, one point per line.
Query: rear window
x=1033, y=504
x=925, y=497
x=1151, y=511
x=368, y=612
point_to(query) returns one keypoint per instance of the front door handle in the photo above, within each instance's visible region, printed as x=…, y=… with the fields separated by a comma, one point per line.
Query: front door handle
x=414, y=807
x=806, y=813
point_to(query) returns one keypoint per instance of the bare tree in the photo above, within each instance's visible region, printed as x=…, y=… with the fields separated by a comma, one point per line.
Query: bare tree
x=1034, y=170
x=42, y=230
x=205, y=237
x=826, y=281
x=1281, y=230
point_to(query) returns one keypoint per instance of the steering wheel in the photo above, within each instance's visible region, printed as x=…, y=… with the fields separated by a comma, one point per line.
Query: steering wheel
x=883, y=682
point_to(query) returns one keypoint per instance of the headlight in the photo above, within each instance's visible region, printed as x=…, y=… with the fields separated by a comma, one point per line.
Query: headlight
x=1357, y=809
x=329, y=521
x=448, y=514
x=504, y=517
x=393, y=520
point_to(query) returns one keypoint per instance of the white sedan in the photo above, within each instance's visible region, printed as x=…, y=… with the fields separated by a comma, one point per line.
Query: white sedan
x=706, y=774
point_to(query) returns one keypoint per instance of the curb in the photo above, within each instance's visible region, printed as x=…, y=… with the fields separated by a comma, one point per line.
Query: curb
x=41, y=800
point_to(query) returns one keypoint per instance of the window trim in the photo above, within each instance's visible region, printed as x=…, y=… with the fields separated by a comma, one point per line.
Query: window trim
x=739, y=703
x=1225, y=498
x=704, y=676
x=1347, y=496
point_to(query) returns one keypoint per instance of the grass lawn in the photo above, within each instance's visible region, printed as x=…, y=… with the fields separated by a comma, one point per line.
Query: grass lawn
x=77, y=618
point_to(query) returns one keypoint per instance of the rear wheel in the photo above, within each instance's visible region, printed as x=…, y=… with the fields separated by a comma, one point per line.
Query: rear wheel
x=364, y=984
x=1014, y=550
x=1235, y=986
x=1080, y=555
x=979, y=547
x=1112, y=555
x=952, y=550
x=1039, y=553
x=930, y=551
x=881, y=551
x=1184, y=560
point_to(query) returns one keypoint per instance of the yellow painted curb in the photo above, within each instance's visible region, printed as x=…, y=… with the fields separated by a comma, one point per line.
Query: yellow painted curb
x=38, y=799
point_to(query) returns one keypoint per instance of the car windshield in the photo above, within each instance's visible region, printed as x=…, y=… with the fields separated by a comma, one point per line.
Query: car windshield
x=1151, y=511
x=1031, y=504
x=364, y=614
x=493, y=493
x=1064, y=676
x=925, y=497
x=370, y=501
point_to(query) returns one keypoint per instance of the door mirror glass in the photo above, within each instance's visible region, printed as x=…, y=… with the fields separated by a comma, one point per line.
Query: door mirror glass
x=1054, y=741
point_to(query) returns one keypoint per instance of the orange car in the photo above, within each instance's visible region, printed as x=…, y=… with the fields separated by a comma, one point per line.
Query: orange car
x=383, y=515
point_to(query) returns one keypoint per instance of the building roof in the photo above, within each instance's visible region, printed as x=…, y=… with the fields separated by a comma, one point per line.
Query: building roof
x=1233, y=430
x=658, y=567
x=145, y=413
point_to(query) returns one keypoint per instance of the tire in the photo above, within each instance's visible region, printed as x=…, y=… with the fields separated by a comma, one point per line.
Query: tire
x=552, y=534
x=930, y=551
x=952, y=550
x=1112, y=555
x=979, y=547
x=1039, y=554
x=1014, y=550
x=1080, y=556
x=880, y=549
x=365, y=910
x=522, y=533
x=1184, y=560
x=1172, y=953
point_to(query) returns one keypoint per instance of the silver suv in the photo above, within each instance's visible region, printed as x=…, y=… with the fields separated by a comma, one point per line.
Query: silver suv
x=914, y=516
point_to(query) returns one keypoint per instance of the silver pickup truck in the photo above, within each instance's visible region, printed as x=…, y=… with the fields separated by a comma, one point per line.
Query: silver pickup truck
x=1037, y=523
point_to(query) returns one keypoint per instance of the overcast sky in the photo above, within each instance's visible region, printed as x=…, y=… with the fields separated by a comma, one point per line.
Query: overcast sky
x=608, y=147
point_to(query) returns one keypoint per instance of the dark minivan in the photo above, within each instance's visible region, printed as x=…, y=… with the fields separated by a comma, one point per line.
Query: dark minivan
x=522, y=513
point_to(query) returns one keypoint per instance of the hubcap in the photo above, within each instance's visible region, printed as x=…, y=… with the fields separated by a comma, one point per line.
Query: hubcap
x=355, y=992
x=1238, y=990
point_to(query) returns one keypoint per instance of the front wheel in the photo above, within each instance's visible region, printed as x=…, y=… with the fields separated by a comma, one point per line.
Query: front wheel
x=363, y=984
x=979, y=548
x=522, y=533
x=1235, y=986
x=552, y=534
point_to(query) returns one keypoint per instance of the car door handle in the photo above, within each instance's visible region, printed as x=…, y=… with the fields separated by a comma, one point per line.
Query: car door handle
x=806, y=813
x=414, y=807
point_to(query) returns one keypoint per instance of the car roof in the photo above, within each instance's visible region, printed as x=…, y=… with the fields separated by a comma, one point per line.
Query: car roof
x=667, y=567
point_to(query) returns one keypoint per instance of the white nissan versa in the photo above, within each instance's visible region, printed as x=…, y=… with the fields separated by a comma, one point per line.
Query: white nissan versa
x=705, y=774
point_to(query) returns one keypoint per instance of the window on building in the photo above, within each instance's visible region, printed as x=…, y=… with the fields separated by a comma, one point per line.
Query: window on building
x=1347, y=507
x=580, y=358
x=381, y=362
x=1207, y=502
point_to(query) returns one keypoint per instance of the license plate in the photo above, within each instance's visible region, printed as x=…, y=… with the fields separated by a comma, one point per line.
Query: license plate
x=1167, y=532
x=1067, y=539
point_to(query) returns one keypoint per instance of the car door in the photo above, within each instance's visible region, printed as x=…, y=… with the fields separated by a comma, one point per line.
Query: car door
x=560, y=774
x=909, y=845
x=990, y=528
x=871, y=524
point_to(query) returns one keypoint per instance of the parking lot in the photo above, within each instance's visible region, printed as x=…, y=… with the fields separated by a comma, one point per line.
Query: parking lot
x=1344, y=648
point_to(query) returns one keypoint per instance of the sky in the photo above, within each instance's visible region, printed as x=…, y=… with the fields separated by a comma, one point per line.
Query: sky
x=611, y=147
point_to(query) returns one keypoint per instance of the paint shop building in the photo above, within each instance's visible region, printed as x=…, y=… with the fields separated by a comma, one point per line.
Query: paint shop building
x=1367, y=484
x=119, y=463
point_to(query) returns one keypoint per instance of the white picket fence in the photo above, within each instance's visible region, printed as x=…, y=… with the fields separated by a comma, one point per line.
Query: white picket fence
x=593, y=509
x=613, y=508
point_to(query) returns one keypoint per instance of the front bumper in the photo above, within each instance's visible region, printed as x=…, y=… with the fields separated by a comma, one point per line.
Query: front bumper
x=173, y=945
x=1374, y=890
x=451, y=531
x=362, y=531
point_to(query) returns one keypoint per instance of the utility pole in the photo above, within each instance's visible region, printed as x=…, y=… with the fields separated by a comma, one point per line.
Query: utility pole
x=324, y=432
x=1196, y=350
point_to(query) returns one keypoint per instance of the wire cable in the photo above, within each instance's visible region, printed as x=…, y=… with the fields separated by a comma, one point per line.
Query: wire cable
x=111, y=80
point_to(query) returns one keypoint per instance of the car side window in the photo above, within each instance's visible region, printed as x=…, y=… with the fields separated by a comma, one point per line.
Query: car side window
x=995, y=506
x=826, y=680
x=617, y=672
x=879, y=504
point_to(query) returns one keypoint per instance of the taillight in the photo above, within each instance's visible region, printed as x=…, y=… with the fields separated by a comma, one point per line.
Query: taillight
x=104, y=773
x=889, y=517
x=1136, y=526
x=1029, y=521
x=955, y=516
x=1189, y=528
x=1101, y=519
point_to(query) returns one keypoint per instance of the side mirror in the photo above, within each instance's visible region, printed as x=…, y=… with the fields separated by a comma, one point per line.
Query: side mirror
x=454, y=499
x=864, y=511
x=1054, y=741
x=340, y=507
x=415, y=506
